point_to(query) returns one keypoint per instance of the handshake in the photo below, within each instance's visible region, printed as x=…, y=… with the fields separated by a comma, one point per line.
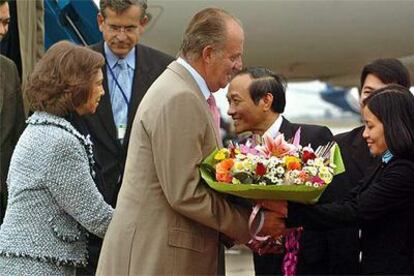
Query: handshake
x=267, y=226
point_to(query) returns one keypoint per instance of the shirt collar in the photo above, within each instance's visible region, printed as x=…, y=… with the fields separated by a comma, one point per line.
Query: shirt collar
x=196, y=76
x=274, y=129
x=387, y=156
x=112, y=59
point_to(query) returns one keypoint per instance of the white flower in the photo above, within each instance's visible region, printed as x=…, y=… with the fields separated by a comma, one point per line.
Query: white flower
x=310, y=162
x=280, y=170
x=318, y=162
x=311, y=170
x=279, y=181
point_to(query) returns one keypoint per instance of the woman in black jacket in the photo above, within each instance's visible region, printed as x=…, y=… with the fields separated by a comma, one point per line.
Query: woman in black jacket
x=383, y=205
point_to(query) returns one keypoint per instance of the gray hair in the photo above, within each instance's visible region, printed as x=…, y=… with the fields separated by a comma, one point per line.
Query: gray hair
x=207, y=27
x=121, y=5
x=2, y=2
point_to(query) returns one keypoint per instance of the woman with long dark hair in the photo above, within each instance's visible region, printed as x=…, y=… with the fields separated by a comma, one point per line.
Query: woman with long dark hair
x=383, y=205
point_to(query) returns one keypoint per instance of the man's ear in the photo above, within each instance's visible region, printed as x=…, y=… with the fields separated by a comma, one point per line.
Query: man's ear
x=207, y=54
x=267, y=101
x=143, y=22
x=100, y=18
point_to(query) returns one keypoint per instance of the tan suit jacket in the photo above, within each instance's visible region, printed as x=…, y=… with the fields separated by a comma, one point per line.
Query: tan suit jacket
x=167, y=221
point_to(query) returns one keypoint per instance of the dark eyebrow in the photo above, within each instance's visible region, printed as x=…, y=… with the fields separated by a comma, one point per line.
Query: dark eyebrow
x=367, y=87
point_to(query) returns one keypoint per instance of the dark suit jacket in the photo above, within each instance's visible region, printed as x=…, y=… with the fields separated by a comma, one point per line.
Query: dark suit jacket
x=12, y=120
x=311, y=250
x=343, y=243
x=110, y=154
x=383, y=206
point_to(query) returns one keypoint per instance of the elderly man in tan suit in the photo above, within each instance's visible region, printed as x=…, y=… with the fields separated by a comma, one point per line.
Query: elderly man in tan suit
x=167, y=222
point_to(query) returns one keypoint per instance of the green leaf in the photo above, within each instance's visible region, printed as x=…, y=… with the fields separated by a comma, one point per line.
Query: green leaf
x=336, y=158
x=244, y=177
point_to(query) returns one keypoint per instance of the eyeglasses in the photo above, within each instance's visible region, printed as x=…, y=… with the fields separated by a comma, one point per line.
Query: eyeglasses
x=128, y=30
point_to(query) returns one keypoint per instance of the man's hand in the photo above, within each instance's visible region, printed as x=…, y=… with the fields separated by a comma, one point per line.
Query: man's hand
x=269, y=246
x=277, y=206
x=274, y=224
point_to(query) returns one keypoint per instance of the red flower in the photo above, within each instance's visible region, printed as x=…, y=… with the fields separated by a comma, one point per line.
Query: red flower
x=260, y=169
x=232, y=152
x=308, y=155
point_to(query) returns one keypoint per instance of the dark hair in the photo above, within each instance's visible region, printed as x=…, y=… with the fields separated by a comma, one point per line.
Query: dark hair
x=63, y=78
x=207, y=27
x=2, y=2
x=388, y=70
x=266, y=81
x=121, y=5
x=393, y=105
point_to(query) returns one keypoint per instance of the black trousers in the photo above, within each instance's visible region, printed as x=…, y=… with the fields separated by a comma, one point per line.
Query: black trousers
x=271, y=264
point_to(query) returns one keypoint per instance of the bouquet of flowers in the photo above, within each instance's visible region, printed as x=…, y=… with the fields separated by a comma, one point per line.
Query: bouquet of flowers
x=268, y=168
x=273, y=169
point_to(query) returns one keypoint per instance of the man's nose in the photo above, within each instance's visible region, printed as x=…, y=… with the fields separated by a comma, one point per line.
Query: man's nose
x=121, y=35
x=239, y=64
x=3, y=30
x=230, y=111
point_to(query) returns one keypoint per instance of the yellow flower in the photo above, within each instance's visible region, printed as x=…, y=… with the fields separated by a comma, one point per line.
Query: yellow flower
x=325, y=175
x=221, y=154
x=238, y=166
x=292, y=163
x=248, y=165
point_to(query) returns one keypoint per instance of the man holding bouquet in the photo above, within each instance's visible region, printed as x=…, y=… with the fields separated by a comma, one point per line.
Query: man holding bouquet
x=167, y=221
x=257, y=100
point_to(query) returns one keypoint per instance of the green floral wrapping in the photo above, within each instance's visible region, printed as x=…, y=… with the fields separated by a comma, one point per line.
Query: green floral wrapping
x=296, y=193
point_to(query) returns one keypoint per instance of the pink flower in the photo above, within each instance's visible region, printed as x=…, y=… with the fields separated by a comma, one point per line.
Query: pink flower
x=247, y=149
x=317, y=180
x=276, y=147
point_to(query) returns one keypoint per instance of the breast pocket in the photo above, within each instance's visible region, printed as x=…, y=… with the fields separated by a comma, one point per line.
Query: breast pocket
x=66, y=228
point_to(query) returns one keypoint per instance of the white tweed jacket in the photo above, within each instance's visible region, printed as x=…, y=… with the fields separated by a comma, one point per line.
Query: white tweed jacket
x=53, y=199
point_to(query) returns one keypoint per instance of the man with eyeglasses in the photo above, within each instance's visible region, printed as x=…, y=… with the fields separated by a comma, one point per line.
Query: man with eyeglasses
x=129, y=71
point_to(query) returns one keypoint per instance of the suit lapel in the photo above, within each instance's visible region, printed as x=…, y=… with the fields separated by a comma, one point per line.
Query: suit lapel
x=178, y=68
x=141, y=76
x=287, y=128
